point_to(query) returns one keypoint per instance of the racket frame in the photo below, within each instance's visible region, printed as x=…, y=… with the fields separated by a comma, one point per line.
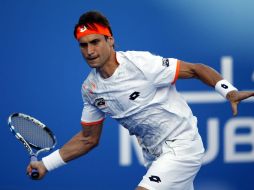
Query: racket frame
x=30, y=146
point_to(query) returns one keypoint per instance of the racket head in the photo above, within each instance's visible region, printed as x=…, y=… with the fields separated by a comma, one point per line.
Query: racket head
x=31, y=132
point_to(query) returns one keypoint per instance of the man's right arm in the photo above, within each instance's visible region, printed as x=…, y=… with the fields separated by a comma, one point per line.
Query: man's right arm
x=80, y=144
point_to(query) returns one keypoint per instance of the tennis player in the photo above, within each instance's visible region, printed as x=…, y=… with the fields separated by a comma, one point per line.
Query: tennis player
x=138, y=89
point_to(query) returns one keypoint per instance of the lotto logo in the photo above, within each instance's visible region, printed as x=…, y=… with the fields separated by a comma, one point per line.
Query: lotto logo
x=155, y=179
x=224, y=86
x=83, y=29
x=134, y=95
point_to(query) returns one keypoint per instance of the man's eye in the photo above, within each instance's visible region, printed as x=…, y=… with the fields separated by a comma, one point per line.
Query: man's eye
x=94, y=42
x=83, y=44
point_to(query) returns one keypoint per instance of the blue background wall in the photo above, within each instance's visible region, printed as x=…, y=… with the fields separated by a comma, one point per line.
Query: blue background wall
x=41, y=72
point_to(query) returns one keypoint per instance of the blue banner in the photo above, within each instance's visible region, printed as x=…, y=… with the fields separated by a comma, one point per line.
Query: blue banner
x=42, y=70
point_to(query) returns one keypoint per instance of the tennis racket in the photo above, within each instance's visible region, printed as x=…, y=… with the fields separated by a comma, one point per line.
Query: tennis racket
x=35, y=136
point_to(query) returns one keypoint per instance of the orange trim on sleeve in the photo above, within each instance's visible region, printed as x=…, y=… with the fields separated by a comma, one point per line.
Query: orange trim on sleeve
x=177, y=71
x=85, y=124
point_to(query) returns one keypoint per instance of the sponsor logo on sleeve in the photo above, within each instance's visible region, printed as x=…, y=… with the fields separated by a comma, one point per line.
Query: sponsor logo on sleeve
x=165, y=62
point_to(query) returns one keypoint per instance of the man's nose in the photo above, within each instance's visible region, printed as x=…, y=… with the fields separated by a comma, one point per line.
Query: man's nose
x=90, y=49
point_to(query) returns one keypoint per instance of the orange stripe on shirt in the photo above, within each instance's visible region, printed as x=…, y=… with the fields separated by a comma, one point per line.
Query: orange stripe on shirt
x=92, y=123
x=177, y=71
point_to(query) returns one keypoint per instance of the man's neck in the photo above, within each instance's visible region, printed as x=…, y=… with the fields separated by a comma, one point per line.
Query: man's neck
x=109, y=68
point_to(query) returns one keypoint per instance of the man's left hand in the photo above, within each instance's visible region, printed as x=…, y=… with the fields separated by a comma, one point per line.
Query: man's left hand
x=235, y=97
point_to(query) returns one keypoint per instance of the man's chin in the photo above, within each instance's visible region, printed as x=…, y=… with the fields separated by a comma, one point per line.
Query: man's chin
x=93, y=65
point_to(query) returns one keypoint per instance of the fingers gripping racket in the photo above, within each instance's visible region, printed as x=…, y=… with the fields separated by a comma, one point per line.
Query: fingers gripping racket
x=35, y=136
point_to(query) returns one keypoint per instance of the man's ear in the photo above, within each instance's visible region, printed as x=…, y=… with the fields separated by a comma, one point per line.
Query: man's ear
x=111, y=41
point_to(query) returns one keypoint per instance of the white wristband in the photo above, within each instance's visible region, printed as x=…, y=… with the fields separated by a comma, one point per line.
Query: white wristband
x=223, y=87
x=53, y=161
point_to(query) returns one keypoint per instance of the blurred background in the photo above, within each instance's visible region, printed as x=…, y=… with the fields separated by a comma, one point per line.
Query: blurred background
x=41, y=72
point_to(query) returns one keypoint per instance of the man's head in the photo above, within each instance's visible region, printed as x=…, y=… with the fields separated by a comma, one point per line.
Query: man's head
x=93, y=32
x=91, y=20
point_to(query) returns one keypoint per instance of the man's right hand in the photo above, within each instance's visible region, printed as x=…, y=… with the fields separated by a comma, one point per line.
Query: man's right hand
x=39, y=166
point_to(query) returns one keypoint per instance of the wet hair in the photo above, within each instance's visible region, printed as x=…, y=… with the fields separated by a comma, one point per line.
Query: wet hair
x=87, y=19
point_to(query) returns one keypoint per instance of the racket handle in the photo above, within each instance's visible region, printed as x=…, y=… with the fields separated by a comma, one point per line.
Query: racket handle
x=35, y=173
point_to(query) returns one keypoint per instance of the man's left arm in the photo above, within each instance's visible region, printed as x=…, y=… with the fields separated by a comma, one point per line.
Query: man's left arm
x=212, y=78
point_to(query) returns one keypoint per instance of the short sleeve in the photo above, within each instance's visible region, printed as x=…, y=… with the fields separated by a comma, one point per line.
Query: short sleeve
x=161, y=71
x=91, y=115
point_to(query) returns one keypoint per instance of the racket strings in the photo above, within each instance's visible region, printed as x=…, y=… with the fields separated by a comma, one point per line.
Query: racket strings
x=32, y=132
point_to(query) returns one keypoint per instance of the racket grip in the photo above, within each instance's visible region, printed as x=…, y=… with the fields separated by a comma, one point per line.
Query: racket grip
x=35, y=173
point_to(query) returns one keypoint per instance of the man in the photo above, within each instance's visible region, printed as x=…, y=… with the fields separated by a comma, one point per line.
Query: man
x=138, y=90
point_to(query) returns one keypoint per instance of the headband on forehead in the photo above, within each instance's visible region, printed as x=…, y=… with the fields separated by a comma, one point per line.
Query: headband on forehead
x=99, y=29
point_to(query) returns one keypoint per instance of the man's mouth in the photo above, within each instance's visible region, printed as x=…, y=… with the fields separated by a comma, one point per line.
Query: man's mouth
x=91, y=58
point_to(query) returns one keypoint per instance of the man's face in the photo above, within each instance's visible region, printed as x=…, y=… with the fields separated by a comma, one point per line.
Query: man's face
x=96, y=49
